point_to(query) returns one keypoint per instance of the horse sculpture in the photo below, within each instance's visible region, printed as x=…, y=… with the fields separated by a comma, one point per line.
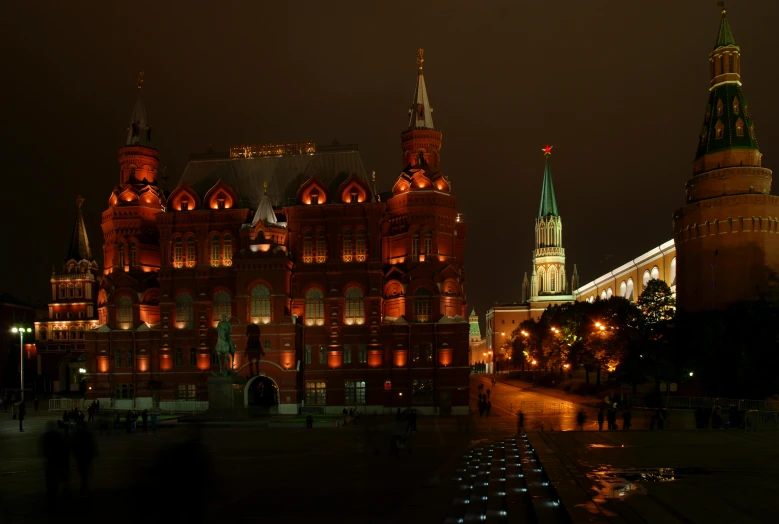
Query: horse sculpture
x=224, y=345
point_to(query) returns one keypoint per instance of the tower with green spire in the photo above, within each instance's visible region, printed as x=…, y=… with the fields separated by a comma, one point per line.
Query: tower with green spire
x=475, y=333
x=725, y=237
x=548, y=277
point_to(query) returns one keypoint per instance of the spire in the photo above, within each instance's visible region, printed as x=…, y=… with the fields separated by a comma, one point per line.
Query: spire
x=139, y=131
x=265, y=211
x=724, y=37
x=475, y=331
x=420, y=112
x=79, y=243
x=548, y=205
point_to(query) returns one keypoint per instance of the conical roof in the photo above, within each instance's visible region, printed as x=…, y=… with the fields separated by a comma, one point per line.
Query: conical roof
x=548, y=205
x=420, y=112
x=725, y=36
x=79, y=243
x=139, y=131
x=264, y=212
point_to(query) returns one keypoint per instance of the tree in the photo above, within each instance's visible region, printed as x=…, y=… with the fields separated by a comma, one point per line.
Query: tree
x=657, y=302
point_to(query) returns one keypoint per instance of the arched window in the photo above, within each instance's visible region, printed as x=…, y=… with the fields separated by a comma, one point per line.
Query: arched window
x=133, y=255
x=79, y=290
x=215, y=251
x=315, y=308
x=719, y=129
x=673, y=271
x=227, y=250
x=415, y=244
x=222, y=307
x=428, y=243
x=646, y=278
x=552, y=276
x=603, y=295
x=735, y=105
x=623, y=289
x=347, y=245
x=191, y=252
x=655, y=273
x=719, y=107
x=629, y=293
x=422, y=305
x=121, y=255
x=124, y=312
x=184, y=316
x=308, y=247
x=609, y=293
x=260, y=305
x=70, y=290
x=541, y=281
x=321, y=247
x=355, y=306
x=739, y=127
x=178, y=252
x=361, y=247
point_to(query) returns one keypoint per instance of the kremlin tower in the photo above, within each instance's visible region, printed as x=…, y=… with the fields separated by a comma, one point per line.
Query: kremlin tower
x=726, y=252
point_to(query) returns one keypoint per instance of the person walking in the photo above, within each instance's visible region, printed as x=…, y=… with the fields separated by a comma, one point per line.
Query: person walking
x=626, y=420
x=56, y=465
x=580, y=420
x=521, y=417
x=309, y=421
x=144, y=418
x=84, y=450
x=22, y=414
x=600, y=420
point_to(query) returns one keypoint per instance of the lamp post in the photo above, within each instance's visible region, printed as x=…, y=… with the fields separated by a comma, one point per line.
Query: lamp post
x=21, y=330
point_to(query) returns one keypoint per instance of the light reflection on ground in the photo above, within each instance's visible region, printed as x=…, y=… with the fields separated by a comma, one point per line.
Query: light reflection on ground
x=619, y=483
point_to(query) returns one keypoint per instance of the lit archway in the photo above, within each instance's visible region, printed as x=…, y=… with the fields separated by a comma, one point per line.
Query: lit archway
x=261, y=396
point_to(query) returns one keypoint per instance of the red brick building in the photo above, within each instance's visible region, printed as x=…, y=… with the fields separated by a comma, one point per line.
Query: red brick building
x=338, y=295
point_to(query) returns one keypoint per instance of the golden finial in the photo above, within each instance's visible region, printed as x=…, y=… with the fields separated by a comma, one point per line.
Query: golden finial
x=721, y=4
x=265, y=186
x=420, y=59
x=139, y=80
x=79, y=200
x=373, y=176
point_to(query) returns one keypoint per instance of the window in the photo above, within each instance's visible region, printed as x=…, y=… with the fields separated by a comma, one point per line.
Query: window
x=191, y=252
x=321, y=247
x=623, y=289
x=363, y=353
x=314, y=198
x=322, y=355
x=121, y=255
x=722, y=64
x=355, y=392
x=184, y=315
x=124, y=312
x=739, y=127
x=186, y=392
x=347, y=245
x=415, y=244
x=361, y=247
x=308, y=355
x=719, y=129
x=62, y=291
x=540, y=281
x=629, y=293
x=178, y=253
x=552, y=276
x=79, y=290
x=422, y=390
x=308, y=247
x=428, y=243
x=70, y=290
x=260, y=305
x=719, y=107
x=125, y=391
x=655, y=273
x=227, y=255
x=215, y=251
x=69, y=314
x=673, y=271
x=426, y=353
x=267, y=344
x=179, y=358
x=130, y=358
x=355, y=306
x=192, y=357
x=609, y=293
x=133, y=255
x=347, y=354
x=354, y=196
x=316, y=393
x=735, y=105
x=415, y=354
x=422, y=305
x=222, y=308
x=118, y=358
x=645, y=279
x=315, y=308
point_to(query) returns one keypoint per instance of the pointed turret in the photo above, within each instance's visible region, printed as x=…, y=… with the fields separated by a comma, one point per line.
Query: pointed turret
x=420, y=112
x=548, y=205
x=727, y=136
x=265, y=213
x=421, y=141
x=79, y=243
x=475, y=331
x=139, y=130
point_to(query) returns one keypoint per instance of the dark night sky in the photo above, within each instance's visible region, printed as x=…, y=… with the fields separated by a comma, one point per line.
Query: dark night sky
x=618, y=88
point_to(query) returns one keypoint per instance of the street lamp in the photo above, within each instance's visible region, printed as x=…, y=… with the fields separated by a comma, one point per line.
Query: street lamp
x=21, y=330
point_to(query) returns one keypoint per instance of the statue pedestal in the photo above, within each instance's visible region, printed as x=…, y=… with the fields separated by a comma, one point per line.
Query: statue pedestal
x=225, y=396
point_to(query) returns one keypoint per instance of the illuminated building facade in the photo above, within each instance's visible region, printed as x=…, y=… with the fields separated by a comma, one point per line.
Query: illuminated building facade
x=338, y=295
x=72, y=313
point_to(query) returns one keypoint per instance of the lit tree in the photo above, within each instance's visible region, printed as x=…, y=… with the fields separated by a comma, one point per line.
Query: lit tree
x=657, y=302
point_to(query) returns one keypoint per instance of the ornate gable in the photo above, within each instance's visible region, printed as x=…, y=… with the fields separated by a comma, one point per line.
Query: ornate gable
x=184, y=198
x=354, y=190
x=312, y=191
x=221, y=196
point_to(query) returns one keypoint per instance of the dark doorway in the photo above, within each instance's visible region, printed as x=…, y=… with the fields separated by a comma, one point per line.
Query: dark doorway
x=263, y=397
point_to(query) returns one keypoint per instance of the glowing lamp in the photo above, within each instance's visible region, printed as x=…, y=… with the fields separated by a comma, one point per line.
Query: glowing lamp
x=375, y=357
x=102, y=363
x=143, y=363
x=445, y=356
x=400, y=357
x=204, y=361
x=334, y=359
x=166, y=362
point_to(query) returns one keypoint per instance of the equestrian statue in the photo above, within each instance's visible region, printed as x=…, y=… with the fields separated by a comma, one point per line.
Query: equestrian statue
x=224, y=346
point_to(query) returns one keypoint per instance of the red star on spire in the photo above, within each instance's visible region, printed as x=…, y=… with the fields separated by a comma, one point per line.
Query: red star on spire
x=547, y=150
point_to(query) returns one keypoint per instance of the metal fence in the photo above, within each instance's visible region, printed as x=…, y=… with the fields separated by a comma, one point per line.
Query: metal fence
x=705, y=402
x=548, y=408
x=65, y=404
x=182, y=406
x=765, y=420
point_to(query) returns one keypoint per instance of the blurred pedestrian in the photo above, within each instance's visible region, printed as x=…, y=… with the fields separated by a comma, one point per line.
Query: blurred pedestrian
x=84, y=448
x=154, y=422
x=626, y=420
x=521, y=417
x=580, y=418
x=600, y=420
x=56, y=465
x=35, y=403
x=144, y=418
x=22, y=414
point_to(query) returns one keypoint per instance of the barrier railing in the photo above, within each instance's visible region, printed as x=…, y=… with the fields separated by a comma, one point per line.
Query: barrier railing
x=706, y=402
x=65, y=404
x=762, y=420
x=182, y=406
